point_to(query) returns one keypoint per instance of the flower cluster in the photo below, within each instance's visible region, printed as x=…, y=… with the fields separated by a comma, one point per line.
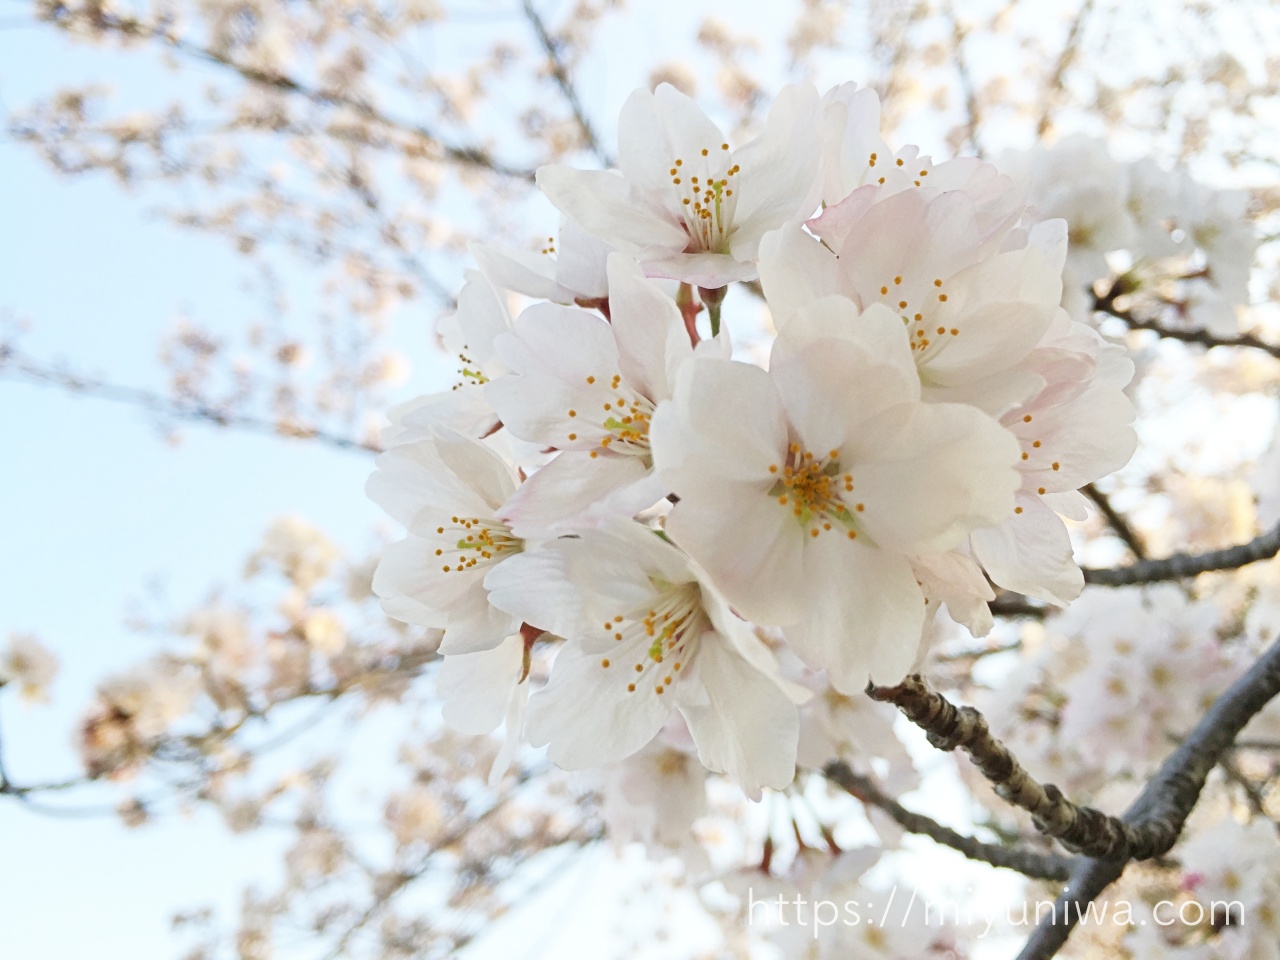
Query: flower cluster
x=1141, y=227
x=606, y=478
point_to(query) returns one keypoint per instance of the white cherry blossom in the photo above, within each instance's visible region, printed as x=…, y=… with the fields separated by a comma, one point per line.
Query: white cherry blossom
x=588, y=388
x=647, y=635
x=683, y=202
x=804, y=490
x=447, y=490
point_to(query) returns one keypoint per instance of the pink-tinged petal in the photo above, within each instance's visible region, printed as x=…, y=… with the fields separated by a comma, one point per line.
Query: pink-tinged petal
x=1000, y=308
x=1080, y=441
x=532, y=274
x=1071, y=504
x=587, y=717
x=954, y=579
x=1030, y=553
x=994, y=395
x=778, y=179
x=796, y=269
x=476, y=687
x=864, y=616
x=578, y=490
x=648, y=328
x=748, y=728
x=724, y=423
x=851, y=139
x=928, y=474
x=836, y=223
x=710, y=270
x=603, y=204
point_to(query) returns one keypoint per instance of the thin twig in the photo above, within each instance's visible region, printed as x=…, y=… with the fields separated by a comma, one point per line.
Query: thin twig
x=1065, y=58
x=466, y=155
x=1043, y=866
x=1116, y=521
x=1168, y=797
x=1182, y=565
x=1015, y=605
x=21, y=369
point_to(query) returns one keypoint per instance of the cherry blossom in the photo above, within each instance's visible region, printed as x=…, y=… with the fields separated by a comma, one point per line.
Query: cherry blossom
x=803, y=491
x=447, y=490
x=686, y=204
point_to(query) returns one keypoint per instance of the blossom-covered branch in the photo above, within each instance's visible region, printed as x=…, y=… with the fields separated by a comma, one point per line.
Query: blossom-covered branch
x=1044, y=866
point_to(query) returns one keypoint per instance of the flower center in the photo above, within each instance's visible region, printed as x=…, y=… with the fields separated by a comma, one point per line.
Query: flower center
x=469, y=372
x=705, y=197
x=814, y=488
x=622, y=423
x=652, y=635
x=472, y=542
x=928, y=338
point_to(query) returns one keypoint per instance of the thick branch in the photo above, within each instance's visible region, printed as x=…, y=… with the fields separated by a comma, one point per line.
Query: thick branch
x=1078, y=827
x=1168, y=797
x=1043, y=866
x=1180, y=565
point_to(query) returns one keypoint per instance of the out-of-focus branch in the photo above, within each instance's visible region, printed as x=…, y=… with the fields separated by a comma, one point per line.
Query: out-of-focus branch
x=1181, y=565
x=20, y=368
x=560, y=73
x=126, y=26
x=1116, y=521
x=1054, y=85
x=1106, y=304
x=1167, y=798
x=973, y=115
x=1015, y=605
x=1043, y=866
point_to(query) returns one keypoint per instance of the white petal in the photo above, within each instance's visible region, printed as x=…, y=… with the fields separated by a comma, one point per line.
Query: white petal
x=576, y=490
x=1030, y=553
x=585, y=714
x=928, y=474
x=749, y=727
x=648, y=328
x=477, y=687
x=532, y=274
x=603, y=205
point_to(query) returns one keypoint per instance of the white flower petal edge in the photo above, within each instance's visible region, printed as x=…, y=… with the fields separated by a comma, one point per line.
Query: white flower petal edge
x=446, y=489
x=654, y=637
x=684, y=203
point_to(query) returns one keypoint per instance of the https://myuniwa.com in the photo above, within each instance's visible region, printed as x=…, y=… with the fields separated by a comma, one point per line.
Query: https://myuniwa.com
x=899, y=908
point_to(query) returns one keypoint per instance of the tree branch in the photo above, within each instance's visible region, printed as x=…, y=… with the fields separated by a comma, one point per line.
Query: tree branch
x=1055, y=83
x=1181, y=565
x=15, y=366
x=1042, y=866
x=560, y=73
x=1168, y=797
x=466, y=155
x=1116, y=521
x=1106, y=304
x=1078, y=827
